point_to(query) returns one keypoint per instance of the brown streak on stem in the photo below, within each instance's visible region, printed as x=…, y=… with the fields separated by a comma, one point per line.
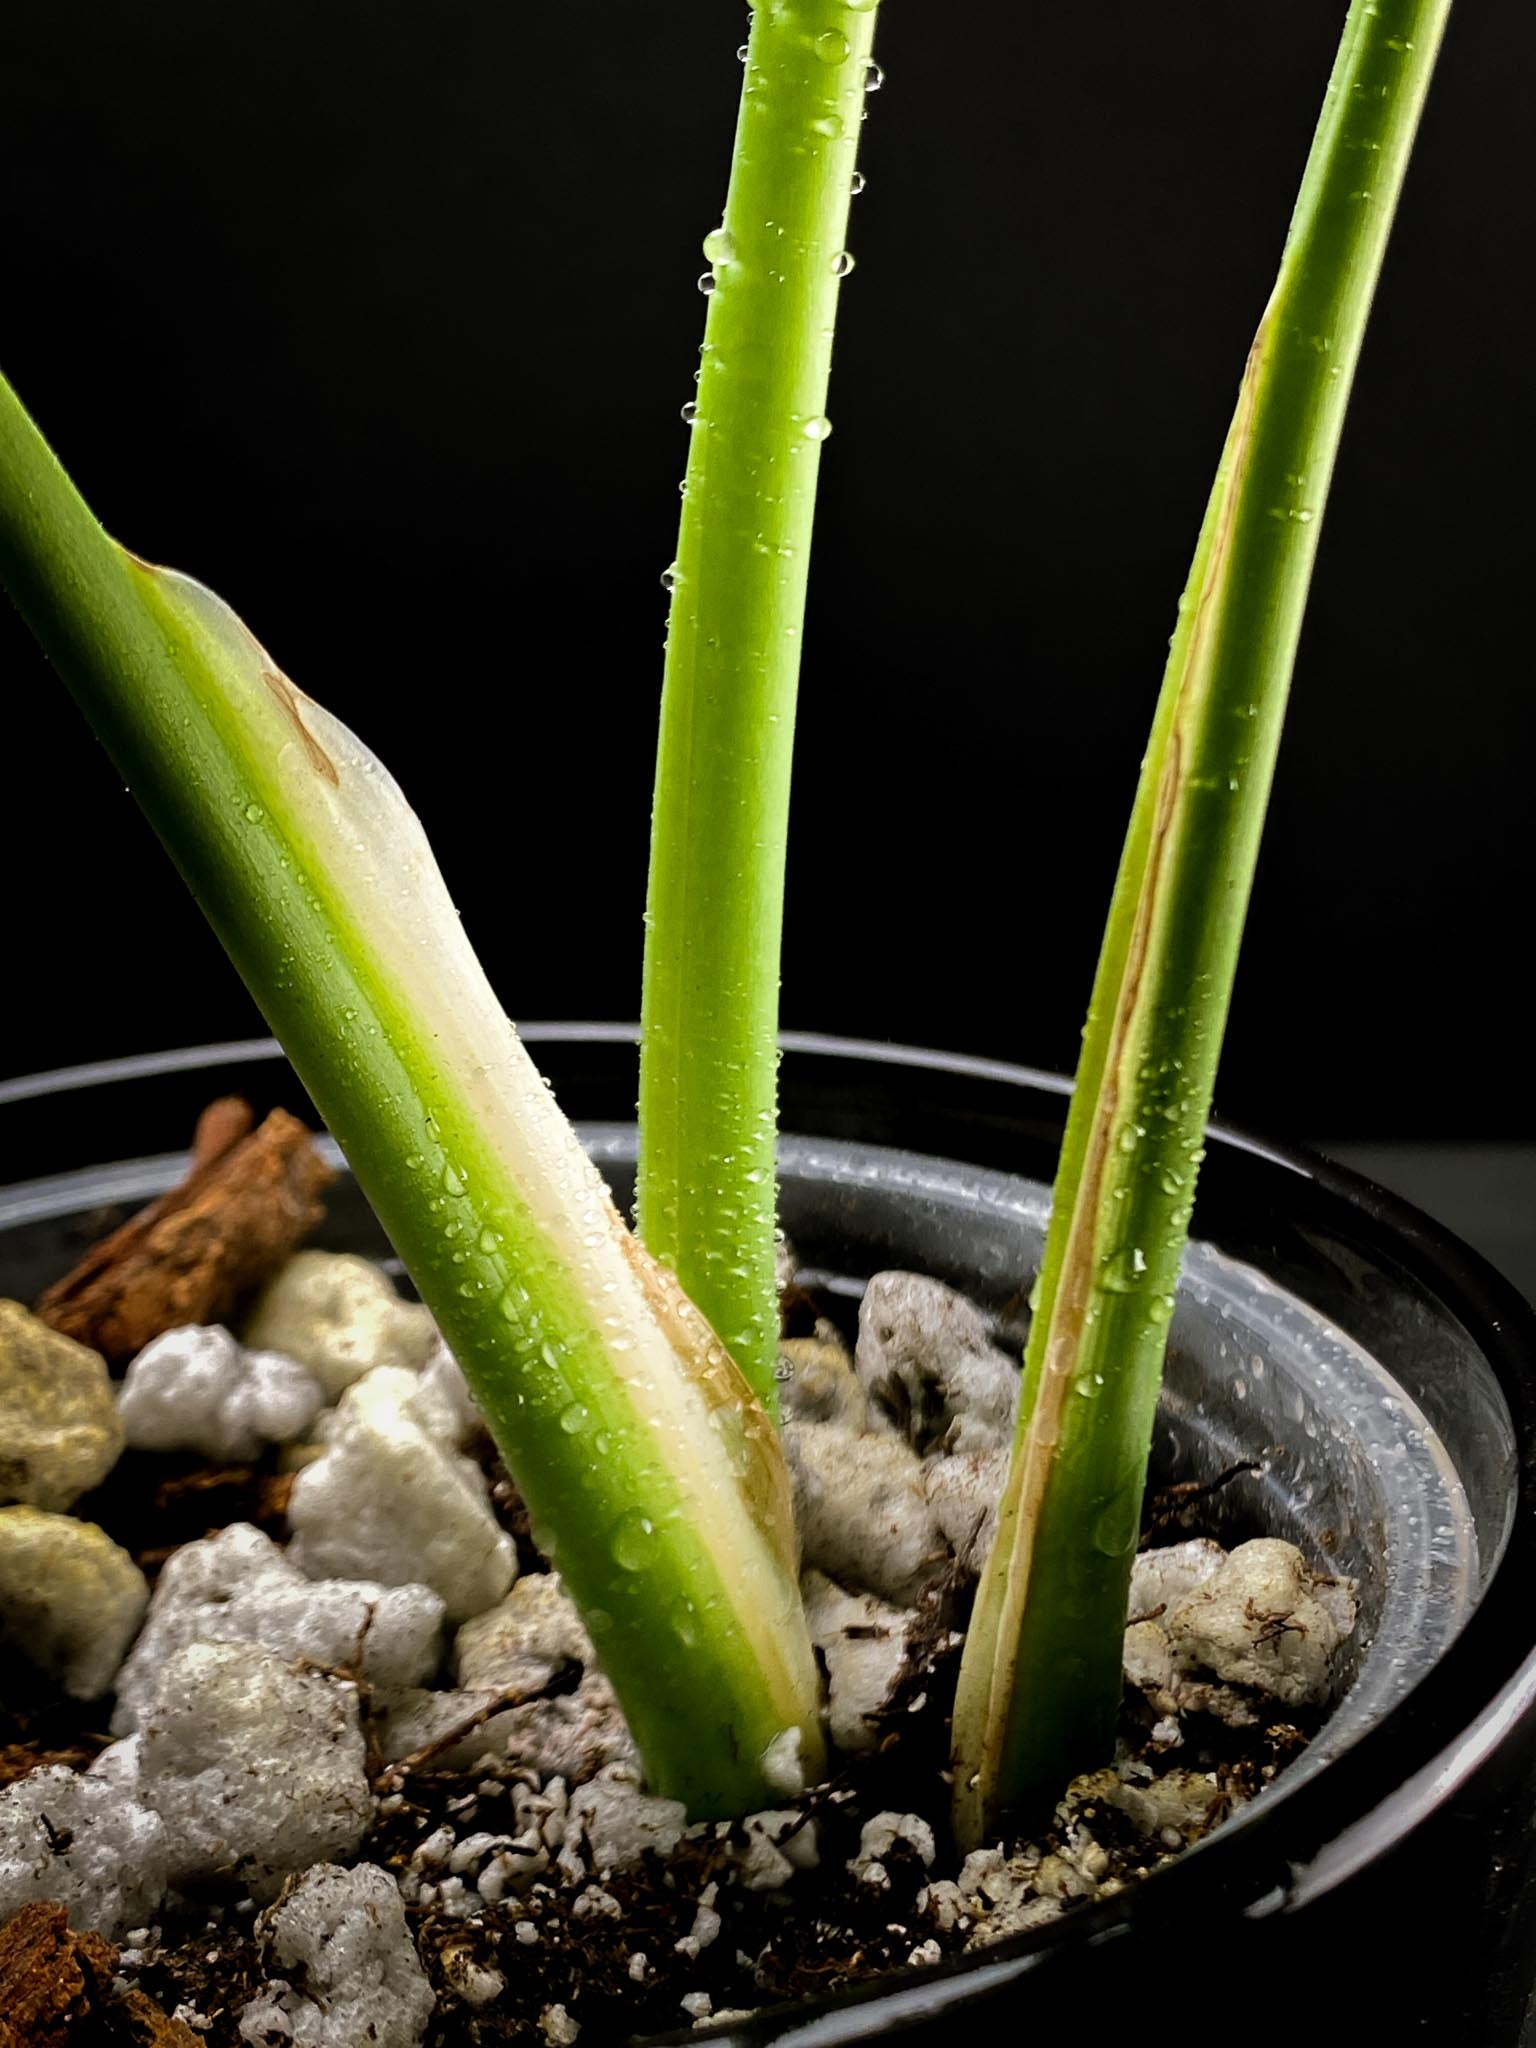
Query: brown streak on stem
x=725, y=1388
x=288, y=697
x=1069, y=1309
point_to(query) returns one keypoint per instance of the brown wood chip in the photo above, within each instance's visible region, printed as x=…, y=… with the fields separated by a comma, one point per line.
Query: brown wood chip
x=194, y=1255
x=20, y=1759
x=56, y=1988
x=42, y=1986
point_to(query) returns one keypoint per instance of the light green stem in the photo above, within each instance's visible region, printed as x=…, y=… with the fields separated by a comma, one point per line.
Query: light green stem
x=709, y=1016
x=652, y=1473
x=1040, y=1679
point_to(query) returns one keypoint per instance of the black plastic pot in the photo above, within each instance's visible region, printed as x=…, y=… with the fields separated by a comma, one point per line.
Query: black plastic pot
x=1384, y=1375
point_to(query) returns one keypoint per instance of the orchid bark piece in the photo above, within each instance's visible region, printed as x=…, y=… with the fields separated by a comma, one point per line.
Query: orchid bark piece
x=653, y=1475
x=1040, y=1679
x=248, y=1201
x=709, y=1014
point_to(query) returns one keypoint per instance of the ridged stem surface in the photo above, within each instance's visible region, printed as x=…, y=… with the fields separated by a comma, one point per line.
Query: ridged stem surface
x=1040, y=1678
x=710, y=1004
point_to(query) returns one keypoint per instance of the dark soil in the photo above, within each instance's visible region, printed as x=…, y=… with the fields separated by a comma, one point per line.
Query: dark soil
x=825, y=1932
x=153, y=1502
x=555, y=1945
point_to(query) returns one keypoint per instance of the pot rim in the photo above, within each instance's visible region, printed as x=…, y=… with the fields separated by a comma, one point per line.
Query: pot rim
x=1363, y=1803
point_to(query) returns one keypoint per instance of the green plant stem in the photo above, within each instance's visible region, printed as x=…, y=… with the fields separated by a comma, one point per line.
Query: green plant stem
x=1040, y=1680
x=654, y=1476
x=709, y=1016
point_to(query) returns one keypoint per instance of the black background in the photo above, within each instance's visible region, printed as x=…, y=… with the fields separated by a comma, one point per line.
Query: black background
x=378, y=318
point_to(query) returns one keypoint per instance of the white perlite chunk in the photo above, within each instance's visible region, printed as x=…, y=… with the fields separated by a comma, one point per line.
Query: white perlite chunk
x=448, y=1407
x=572, y=1736
x=817, y=1382
x=864, y=1645
x=706, y=1925
x=1263, y=1619
x=70, y=1599
x=255, y=1769
x=995, y=1895
x=1170, y=1809
x=340, y=1316
x=478, y=1984
x=1160, y=1579
x=861, y=1511
x=520, y=1646
x=926, y=1357
x=963, y=1493
x=196, y=1389
x=612, y=1822
x=786, y=1262
x=884, y=1835
x=1204, y=1624
x=420, y=1718
x=388, y=1500
x=782, y=1765
x=774, y=1845
x=60, y=1433
x=81, y=1837
x=346, y=1968
x=596, y=1904
x=238, y=1586
x=1149, y=1662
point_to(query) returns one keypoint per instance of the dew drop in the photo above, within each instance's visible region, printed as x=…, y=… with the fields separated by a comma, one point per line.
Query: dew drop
x=1088, y=1385
x=831, y=46
x=842, y=263
x=1160, y=1308
x=633, y=1542
x=573, y=1420
x=817, y=428
x=829, y=125
x=670, y=578
x=254, y=814
x=874, y=77
x=720, y=245
x=1124, y=1270
x=859, y=182
x=689, y=412
x=707, y=282
x=1116, y=1528
x=741, y=54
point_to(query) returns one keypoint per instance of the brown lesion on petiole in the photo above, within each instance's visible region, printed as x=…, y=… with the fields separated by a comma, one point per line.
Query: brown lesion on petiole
x=288, y=697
